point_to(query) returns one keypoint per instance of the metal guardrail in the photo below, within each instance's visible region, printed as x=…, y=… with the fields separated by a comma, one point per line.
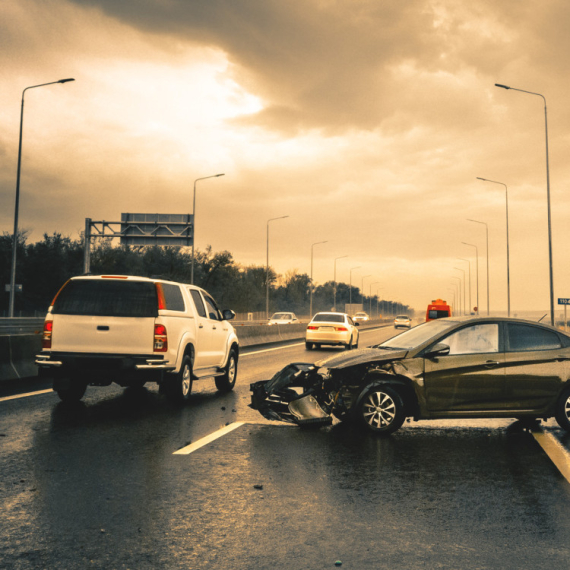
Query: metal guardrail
x=21, y=325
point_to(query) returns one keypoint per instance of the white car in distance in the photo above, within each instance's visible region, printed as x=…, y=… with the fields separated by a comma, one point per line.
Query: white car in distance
x=402, y=321
x=332, y=328
x=283, y=319
x=361, y=316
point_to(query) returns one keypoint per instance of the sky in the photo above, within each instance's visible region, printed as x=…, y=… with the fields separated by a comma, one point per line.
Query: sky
x=366, y=122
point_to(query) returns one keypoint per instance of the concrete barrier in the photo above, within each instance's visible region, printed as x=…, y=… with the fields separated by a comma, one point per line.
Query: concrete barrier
x=18, y=351
x=17, y=355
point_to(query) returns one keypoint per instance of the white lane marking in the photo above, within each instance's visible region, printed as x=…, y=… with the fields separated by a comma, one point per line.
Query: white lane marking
x=221, y=432
x=557, y=453
x=208, y=439
x=16, y=396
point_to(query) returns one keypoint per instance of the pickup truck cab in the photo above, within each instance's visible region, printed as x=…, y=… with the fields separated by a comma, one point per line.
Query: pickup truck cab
x=132, y=330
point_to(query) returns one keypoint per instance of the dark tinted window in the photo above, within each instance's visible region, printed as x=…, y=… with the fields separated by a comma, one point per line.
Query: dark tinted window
x=173, y=297
x=198, y=303
x=527, y=337
x=213, y=312
x=433, y=314
x=107, y=298
x=329, y=318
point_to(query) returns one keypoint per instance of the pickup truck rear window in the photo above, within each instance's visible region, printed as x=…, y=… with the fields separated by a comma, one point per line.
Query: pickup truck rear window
x=107, y=298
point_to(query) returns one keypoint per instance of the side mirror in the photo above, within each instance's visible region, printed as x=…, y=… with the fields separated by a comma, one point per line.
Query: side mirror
x=228, y=315
x=356, y=324
x=439, y=349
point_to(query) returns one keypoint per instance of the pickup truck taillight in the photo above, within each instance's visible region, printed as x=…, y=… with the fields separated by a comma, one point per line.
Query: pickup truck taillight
x=46, y=337
x=160, y=339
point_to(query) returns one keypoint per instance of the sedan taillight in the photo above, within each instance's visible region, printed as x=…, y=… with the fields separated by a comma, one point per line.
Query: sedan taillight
x=46, y=336
x=160, y=339
x=340, y=329
x=312, y=328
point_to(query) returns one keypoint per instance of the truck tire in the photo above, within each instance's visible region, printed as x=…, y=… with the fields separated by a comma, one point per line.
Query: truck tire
x=179, y=385
x=226, y=382
x=72, y=394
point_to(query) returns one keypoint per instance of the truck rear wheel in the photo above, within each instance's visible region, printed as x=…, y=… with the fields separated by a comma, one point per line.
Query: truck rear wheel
x=73, y=393
x=226, y=382
x=179, y=386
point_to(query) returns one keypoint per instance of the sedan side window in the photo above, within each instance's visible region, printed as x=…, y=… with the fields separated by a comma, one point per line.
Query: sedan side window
x=475, y=339
x=526, y=337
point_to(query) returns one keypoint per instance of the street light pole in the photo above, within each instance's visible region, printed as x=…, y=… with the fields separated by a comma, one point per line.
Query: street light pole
x=267, y=267
x=463, y=271
x=477, y=270
x=453, y=292
x=334, y=287
x=458, y=285
x=362, y=290
x=508, y=261
x=194, y=222
x=464, y=297
x=375, y=283
x=311, y=284
x=551, y=276
x=487, y=236
x=350, y=286
x=17, y=204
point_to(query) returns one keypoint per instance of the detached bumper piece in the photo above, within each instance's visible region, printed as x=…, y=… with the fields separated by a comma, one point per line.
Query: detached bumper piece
x=286, y=397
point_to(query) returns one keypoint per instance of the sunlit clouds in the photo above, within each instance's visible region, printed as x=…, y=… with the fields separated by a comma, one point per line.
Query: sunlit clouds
x=365, y=122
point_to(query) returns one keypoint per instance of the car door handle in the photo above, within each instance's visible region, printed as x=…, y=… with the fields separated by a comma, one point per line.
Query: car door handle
x=491, y=363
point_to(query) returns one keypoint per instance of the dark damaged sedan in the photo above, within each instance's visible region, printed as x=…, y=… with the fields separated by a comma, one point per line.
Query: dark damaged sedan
x=448, y=368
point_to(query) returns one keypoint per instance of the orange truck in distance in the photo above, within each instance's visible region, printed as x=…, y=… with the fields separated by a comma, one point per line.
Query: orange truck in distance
x=438, y=309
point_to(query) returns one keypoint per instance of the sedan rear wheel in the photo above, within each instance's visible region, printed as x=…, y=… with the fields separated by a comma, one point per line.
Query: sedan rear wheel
x=309, y=345
x=562, y=413
x=381, y=410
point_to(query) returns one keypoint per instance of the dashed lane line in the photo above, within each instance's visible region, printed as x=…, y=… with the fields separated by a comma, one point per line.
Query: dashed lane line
x=27, y=395
x=555, y=451
x=220, y=433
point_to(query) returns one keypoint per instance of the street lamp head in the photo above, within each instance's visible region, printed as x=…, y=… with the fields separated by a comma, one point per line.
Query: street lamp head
x=65, y=80
x=217, y=175
x=502, y=86
x=479, y=178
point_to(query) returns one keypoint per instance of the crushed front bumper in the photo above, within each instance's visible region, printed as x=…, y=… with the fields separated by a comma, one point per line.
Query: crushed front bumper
x=289, y=397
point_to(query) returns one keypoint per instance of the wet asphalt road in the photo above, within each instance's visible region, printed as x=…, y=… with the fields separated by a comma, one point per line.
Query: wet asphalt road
x=97, y=486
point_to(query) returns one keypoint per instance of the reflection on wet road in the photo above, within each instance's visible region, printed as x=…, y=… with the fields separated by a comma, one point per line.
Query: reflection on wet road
x=98, y=486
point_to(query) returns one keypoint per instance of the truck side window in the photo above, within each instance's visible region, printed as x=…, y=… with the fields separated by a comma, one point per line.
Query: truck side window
x=173, y=297
x=213, y=312
x=198, y=303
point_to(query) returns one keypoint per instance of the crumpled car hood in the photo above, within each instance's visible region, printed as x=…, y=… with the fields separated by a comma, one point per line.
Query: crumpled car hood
x=361, y=356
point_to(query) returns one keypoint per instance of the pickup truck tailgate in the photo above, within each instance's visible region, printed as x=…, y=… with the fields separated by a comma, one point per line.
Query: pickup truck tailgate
x=103, y=335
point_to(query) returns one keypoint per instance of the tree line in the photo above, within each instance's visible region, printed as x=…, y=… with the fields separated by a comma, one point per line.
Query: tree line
x=44, y=266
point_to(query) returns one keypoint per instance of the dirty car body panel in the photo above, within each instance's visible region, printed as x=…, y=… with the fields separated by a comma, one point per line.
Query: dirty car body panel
x=458, y=367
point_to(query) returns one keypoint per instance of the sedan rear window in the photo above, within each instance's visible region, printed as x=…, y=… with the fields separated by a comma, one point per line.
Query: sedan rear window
x=329, y=318
x=107, y=298
x=527, y=337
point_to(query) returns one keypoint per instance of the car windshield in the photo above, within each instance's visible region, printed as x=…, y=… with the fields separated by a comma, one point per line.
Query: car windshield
x=402, y=317
x=417, y=335
x=329, y=318
x=280, y=316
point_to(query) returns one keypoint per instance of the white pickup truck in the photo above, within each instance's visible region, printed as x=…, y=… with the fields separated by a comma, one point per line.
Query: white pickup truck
x=133, y=330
